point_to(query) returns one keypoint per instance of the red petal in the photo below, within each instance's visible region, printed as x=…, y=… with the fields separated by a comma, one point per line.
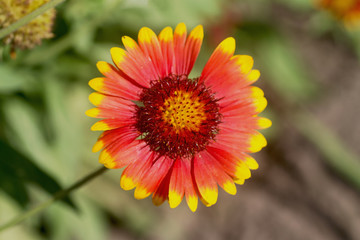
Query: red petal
x=114, y=83
x=233, y=164
x=133, y=173
x=152, y=177
x=177, y=188
x=167, y=47
x=120, y=147
x=179, y=46
x=162, y=192
x=150, y=46
x=205, y=182
x=219, y=174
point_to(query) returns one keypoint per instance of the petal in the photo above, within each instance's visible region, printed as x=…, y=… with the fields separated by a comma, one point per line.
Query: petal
x=134, y=171
x=150, y=46
x=133, y=64
x=192, y=49
x=111, y=107
x=218, y=173
x=191, y=193
x=110, y=124
x=220, y=57
x=166, y=40
x=179, y=182
x=106, y=101
x=179, y=46
x=162, y=192
x=245, y=63
x=228, y=74
x=234, y=165
x=233, y=139
x=114, y=84
x=120, y=147
x=152, y=177
x=247, y=102
x=263, y=123
x=109, y=113
x=250, y=162
x=176, y=187
x=256, y=142
x=240, y=140
x=205, y=182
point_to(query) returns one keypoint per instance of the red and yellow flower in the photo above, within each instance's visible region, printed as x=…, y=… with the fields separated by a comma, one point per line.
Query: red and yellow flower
x=178, y=137
x=346, y=10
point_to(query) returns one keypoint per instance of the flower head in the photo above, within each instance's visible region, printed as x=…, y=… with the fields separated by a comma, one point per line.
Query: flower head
x=346, y=10
x=178, y=137
x=31, y=34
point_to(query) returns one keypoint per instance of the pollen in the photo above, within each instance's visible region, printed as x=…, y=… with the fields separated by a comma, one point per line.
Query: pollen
x=31, y=34
x=183, y=111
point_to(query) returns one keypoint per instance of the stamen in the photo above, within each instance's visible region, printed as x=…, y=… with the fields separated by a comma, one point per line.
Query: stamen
x=179, y=116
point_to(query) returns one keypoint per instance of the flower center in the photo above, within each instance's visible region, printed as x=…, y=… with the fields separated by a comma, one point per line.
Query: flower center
x=183, y=110
x=179, y=116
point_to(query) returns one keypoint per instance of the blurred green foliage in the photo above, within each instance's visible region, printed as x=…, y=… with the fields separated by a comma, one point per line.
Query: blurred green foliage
x=43, y=96
x=17, y=170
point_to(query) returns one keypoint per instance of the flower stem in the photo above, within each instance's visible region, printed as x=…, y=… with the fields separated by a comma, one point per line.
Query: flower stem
x=56, y=196
x=26, y=19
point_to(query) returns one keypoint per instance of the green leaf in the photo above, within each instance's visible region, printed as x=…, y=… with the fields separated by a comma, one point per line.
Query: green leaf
x=12, y=185
x=17, y=170
x=10, y=80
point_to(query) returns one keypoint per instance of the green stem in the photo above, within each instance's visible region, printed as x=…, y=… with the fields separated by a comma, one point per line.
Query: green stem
x=56, y=196
x=26, y=19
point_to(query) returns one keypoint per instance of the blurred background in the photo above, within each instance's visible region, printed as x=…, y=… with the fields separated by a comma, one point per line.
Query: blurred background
x=307, y=186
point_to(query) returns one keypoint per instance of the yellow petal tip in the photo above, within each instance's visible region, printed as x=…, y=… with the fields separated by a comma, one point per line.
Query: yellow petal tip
x=228, y=46
x=257, y=142
x=166, y=34
x=242, y=171
x=117, y=55
x=141, y=192
x=96, y=83
x=229, y=187
x=264, y=123
x=256, y=92
x=260, y=104
x=146, y=35
x=239, y=181
x=105, y=158
x=251, y=163
x=192, y=203
x=210, y=196
x=100, y=126
x=94, y=112
x=253, y=76
x=245, y=62
x=98, y=146
x=197, y=32
x=174, y=199
x=180, y=29
x=96, y=98
x=128, y=42
x=103, y=67
x=126, y=183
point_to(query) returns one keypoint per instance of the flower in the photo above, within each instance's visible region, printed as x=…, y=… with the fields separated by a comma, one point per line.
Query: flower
x=178, y=136
x=346, y=10
x=31, y=34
